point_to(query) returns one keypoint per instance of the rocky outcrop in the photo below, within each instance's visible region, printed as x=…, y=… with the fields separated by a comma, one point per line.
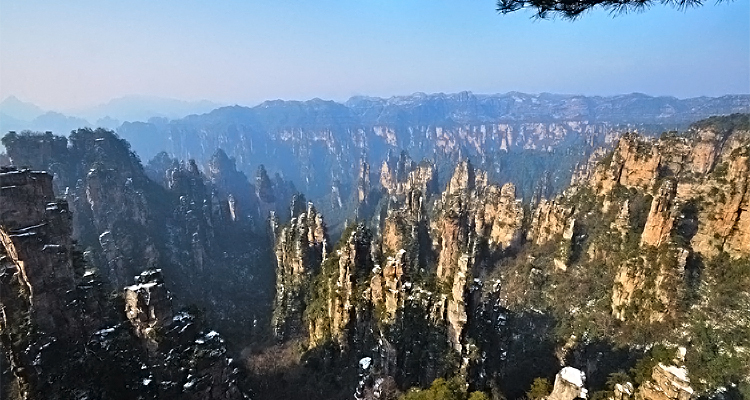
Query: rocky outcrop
x=338, y=291
x=454, y=230
x=639, y=160
x=35, y=232
x=148, y=305
x=402, y=176
x=363, y=182
x=300, y=248
x=569, y=385
x=37, y=279
x=661, y=216
x=724, y=220
x=549, y=220
x=668, y=382
x=203, y=230
x=503, y=214
x=456, y=314
x=387, y=286
x=122, y=251
x=59, y=327
x=185, y=360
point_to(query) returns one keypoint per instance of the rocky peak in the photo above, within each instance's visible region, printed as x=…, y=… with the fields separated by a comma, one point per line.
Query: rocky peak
x=148, y=304
x=363, y=182
x=464, y=179
x=668, y=381
x=549, y=219
x=403, y=177
x=502, y=214
x=300, y=249
x=569, y=385
x=35, y=234
x=387, y=286
x=343, y=278
x=661, y=216
x=264, y=186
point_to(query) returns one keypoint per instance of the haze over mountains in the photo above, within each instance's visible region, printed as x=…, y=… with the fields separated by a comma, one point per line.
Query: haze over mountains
x=19, y=115
x=533, y=140
x=635, y=280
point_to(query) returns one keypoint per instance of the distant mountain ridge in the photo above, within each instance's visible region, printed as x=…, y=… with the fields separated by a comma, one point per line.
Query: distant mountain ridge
x=466, y=107
x=17, y=115
x=17, y=109
x=535, y=140
x=142, y=108
x=299, y=138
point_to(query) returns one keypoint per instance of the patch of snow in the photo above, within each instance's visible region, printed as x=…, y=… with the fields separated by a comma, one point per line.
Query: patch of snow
x=365, y=362
x=28, y=228
x=573, y=375
x=27, y=234
x=105, y=331
x=146, y=381
x=181, y=316
x=679, y=373
x=135, y=288
x=212, y=334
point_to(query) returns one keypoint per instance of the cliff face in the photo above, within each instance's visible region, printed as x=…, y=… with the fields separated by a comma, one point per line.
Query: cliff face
x=500, y=294
x=35, y=235
x=647, y=247
x=339, y=290
x=207, y=231
x=62, y=333
x=532, y=140
x=300, y=249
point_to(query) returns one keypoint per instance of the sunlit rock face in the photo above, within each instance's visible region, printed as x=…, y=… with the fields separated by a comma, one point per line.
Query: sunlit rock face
x=569, y=385
x=35, y=231
x=202, y=225
x=61, y=331
x=661, y=217
x=148, y=305
x=300, y=248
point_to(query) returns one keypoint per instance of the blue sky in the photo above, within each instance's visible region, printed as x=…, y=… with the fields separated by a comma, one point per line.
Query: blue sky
x=68, y=54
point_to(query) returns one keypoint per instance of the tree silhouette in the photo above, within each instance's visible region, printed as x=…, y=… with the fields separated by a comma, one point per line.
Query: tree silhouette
x=572, y=9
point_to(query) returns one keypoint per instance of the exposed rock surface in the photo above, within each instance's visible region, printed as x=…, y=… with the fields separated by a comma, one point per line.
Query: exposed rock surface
x=208, y=232
x=660, y=217
x=549, y=220
x=668, y=382
x=148, y=305
x=300, y=248
x=343, y=275
x=35, y=234
x=569, y=385
x=301, y=139
x=60, y=330
x=469, y=277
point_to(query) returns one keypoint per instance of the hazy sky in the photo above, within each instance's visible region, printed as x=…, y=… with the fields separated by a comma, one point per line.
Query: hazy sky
x=68, y=54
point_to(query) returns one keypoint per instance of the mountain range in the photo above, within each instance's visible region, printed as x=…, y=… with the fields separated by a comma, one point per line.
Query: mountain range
x=17, y=115
x=182, y=280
